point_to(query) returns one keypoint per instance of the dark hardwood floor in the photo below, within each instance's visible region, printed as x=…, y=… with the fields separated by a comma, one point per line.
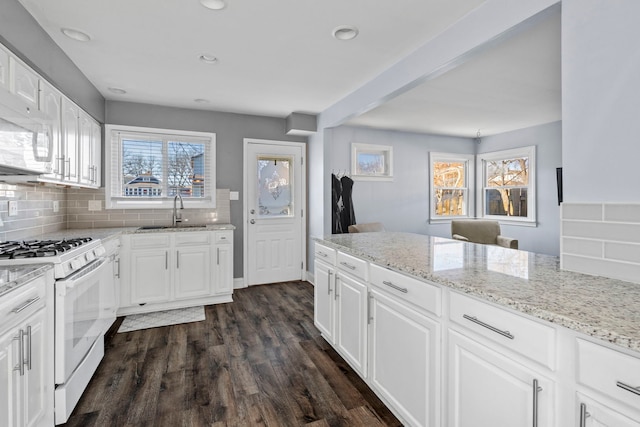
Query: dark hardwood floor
x=256, y=361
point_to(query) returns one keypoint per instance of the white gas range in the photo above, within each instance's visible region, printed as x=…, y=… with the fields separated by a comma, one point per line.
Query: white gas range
x=85, y=307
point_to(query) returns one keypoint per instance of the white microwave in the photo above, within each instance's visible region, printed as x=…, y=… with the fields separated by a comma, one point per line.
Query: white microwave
x=26, y=143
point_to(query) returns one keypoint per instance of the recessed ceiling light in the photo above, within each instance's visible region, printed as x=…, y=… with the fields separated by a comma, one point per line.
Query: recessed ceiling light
x=76, y=35
x=209, y=59
x=117, y=90
x=214, y=4
x=201, y=101
x=345, y=32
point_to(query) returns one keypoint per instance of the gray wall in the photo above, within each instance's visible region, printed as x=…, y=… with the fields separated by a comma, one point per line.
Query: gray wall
x=230, y=130
x=20, y=32
x=401, y=204
x=545, y=238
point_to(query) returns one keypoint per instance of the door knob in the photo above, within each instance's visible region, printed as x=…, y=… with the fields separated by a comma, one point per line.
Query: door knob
x=252, y=211
x=253, y=221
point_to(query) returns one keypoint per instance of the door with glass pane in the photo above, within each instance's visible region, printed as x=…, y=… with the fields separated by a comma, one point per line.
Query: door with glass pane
x=274, y=202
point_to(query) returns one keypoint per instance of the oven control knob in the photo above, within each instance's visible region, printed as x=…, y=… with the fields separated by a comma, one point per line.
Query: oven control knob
x=99, y=251
x=77, y=263
x=89, y=256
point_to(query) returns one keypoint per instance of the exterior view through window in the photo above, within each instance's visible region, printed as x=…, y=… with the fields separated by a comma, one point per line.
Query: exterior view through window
x=506, y=187
x=162, y=168
x=449, y=185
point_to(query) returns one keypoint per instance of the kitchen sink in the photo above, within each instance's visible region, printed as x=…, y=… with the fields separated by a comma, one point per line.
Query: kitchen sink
x=153, y=227
x=169, y=227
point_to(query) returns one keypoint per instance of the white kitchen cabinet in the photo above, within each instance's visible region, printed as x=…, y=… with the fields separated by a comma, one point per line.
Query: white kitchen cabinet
x=24, y=83
x=487, y=388
x=404, y=356
x=89, y=146
x=224, y=263
x=323, y=307
x=4, y=69
x=51, y=105
x=70, y=140
x=26, y=368
x=166, y=270
x=351, y=312
x=592, y=413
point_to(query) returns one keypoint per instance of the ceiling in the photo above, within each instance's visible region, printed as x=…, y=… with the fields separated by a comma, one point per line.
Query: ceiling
x=275, y=58
x=512, y=85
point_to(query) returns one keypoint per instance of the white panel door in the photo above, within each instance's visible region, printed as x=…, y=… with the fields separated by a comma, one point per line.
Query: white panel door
x=274, y=202
x=193, y=272
x=351, y=322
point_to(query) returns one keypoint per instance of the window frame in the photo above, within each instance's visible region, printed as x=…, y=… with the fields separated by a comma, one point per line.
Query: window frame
x=113, y=153
x=469, y=161
x=481, y=179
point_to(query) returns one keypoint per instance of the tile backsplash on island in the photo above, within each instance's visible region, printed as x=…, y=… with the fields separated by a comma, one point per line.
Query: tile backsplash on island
x=36, y=213
x=602, y=239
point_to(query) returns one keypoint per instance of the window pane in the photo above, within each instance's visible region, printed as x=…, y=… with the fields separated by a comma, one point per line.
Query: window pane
x=508, y=172
x=185, y=169
x=449, y=202
x=506, y=202
x=141, y=168
x=449, y=175
x=274, y=187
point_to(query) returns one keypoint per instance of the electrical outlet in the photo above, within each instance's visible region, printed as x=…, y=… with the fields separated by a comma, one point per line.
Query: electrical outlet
x=13, y=208
x=95, y=205
x=56, y=206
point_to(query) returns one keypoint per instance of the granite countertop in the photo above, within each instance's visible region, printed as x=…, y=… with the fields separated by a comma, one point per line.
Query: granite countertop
x=106, y=233
x=531, y=283
x=14, y=276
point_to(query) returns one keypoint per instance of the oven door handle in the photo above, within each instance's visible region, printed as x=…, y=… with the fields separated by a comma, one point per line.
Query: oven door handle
x=86, y=272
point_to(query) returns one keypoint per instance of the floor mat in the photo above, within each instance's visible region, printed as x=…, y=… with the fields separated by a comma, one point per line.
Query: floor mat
x=156, y=319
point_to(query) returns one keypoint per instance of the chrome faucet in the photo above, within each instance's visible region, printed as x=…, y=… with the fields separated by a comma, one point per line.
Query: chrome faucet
x=177, y=216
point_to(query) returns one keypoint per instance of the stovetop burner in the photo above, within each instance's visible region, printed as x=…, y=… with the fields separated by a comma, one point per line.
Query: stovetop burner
x=39, y=248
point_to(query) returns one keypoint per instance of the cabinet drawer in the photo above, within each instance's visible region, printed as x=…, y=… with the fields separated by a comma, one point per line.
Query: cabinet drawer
x=352, y=265
x=22, y=302
x=151, y=240
x=610, y=372
x=515, y=332
x=192, y=238
x=326, y=254
x=224, y=237
x=416, y=292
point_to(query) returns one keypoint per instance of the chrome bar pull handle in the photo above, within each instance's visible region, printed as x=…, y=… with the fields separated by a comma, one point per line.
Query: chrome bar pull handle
x=68, y=167
x=218, y=256
x=20, y=366
x=166, y=260
x=322, y=254
x=583, y=415
x=329, y=282
x=396, y=287
x=486, y=325
x=369, y=313
x=335, y=291
x=349, y=266
x=26, y=304
x=634, y=390
x=177, y=259
x=28, y=361
x=536, y=389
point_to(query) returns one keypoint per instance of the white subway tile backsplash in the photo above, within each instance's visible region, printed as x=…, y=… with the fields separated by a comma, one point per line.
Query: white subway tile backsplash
x=606, y=246
x=602, y=267
x=582, y=211
x=622, y=212
x=592, y=248
x=622, y=252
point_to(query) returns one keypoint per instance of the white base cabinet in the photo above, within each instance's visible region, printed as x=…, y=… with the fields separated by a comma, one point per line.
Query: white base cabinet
x=351, y=321
x=26, y=365
x=167, y=270
x=323, y=307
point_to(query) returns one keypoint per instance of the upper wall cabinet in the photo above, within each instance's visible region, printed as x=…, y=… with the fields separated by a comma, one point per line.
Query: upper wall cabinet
x=75, y=137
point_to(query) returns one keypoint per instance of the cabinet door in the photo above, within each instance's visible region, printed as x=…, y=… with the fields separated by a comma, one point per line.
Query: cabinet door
x=193, y=272
x=4, y=69
x=96, y=154
x=24, y=83
x=35, y=389
x=404, y=359
x=7, y=380
x=51, y=105
x=594, y=414
x=224, y=269
x=85, y=148
x=70, y=139
x=351, y=322
x=323, y=290
x=150, y=277
x=489, y=389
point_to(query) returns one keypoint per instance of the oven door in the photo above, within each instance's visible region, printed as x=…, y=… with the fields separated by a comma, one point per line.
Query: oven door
x=79, y=313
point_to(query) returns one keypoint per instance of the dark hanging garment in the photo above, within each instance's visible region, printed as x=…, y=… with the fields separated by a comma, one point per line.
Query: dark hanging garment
x=336, y=207
x=348, y=216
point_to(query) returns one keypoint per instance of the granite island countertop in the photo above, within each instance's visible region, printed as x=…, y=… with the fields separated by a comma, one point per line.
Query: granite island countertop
x=12, y=277
x=531, y=283
x=106, y=233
